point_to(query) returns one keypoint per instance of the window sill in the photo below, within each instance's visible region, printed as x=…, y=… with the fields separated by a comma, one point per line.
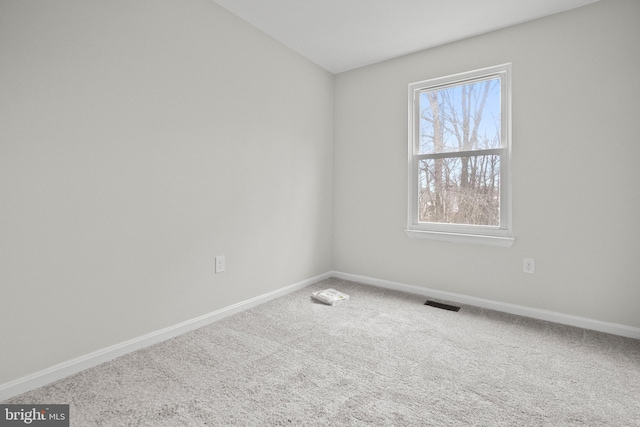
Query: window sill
x=462, y=238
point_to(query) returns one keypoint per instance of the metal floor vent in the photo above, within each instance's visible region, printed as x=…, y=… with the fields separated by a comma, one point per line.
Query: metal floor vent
x=442, y=306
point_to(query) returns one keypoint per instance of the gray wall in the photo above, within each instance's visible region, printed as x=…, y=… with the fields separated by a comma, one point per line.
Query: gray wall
x=138, y=140
x=576, y=145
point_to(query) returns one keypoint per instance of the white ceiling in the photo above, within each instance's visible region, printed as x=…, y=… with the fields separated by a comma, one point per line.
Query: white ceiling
x=341, y=35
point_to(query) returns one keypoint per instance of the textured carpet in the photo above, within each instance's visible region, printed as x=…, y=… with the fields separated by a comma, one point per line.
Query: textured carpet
x=381, y=358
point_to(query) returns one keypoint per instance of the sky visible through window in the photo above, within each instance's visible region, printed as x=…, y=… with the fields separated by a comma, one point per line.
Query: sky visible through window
x=455, y=105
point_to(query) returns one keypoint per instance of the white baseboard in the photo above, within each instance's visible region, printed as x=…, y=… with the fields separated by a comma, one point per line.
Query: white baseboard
x=62, y=370
x=536, y=313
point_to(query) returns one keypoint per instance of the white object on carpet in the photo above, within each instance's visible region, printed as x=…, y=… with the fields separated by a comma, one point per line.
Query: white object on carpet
x=329, y=296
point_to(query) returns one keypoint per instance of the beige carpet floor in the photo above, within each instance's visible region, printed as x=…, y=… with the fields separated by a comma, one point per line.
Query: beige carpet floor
x=382, y=358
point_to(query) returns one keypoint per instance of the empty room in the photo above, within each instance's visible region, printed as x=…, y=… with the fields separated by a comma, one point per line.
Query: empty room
x=180, y=181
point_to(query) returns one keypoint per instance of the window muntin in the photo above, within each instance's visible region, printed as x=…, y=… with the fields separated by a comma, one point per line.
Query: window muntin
x=459, y=154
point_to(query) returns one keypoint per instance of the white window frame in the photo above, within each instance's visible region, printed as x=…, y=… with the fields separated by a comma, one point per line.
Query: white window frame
x=501, y=235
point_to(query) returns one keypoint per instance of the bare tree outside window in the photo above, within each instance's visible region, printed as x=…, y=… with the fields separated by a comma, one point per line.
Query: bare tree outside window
x=459, y=143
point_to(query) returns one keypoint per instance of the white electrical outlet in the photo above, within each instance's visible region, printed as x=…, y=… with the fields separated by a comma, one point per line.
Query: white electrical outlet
x=219, y=264
x=529, y=265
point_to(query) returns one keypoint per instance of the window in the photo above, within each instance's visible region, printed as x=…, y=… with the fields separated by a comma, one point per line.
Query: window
x=459, y=157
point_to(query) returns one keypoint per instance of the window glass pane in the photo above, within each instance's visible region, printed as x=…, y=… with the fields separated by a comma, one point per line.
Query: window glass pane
x=460, y=190
x=460, y=118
